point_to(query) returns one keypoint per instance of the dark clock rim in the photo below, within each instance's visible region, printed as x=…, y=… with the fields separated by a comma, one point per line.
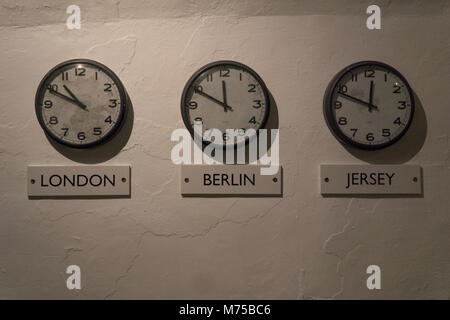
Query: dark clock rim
x=330, y=118
x=111, y=74
x=211, y=65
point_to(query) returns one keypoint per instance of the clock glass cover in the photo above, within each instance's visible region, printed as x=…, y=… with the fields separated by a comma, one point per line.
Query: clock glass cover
x=226, y=95
x=369, y=105
x=80, y=103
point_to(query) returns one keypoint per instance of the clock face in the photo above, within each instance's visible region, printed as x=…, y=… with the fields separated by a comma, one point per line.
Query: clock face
x=226, y=95
x=80, y=103
x=369, y=105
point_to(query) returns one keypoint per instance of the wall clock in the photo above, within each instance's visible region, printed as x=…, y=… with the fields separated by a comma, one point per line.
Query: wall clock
x=369, y=105
x=80, y=103
x=226, y=95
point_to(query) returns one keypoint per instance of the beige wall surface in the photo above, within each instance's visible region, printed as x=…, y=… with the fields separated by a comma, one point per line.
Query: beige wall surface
x=157, y=244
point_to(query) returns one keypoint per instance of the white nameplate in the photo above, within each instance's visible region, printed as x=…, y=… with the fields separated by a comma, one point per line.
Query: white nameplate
x=370, y=179
x=229, y=180
x=78, y=181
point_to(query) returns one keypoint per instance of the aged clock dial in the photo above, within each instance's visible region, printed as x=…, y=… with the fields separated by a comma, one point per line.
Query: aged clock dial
x=369, y=105
x=80, y=103
x=226, y=95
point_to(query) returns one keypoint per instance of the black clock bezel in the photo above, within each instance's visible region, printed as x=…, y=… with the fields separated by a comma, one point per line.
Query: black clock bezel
x=238, y=65
x=67, y=65
x=330, y=116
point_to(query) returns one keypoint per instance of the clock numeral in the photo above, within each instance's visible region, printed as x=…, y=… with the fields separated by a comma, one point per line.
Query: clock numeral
x=107, y=87
x=337, y=104
x=48, y=104
x=225, y=73
x=398, y=121
x=369, y=73
x=252, y=120
x=113, y=103
x=258, y=104
x=342, y=88
x=386, y=132
x=225, y=136
x=342, y=121
x=252, y=87
x=209, y=77
x=65, y=75
x=53, y=120
x=96, y=75
x=385, y=77
x=108, y=119
x=52, y=87
x=65, y=131
x=192, y=105
x=354, y=77
x=354, y=131
x=97, y=131
x=240, y=76
x=402, y=105
x=397, y=89
x=81, y=135
x=80, y=72
x=198, y=119
x=370, y=137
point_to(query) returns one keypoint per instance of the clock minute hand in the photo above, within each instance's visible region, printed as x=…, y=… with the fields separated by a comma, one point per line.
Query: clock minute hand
x=371, y=93
x=371, y=97
x=80, y=104
x=56, y=93
x=213, y=99
x=358, y=100
x=224, y=93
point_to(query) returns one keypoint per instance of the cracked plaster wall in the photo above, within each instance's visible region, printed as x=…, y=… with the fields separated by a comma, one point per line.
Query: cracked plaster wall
x=158, y=245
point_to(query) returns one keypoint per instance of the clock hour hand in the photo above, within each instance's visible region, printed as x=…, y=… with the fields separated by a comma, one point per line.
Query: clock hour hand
x=358, y=100
x=80, y=104
x=213, y=99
